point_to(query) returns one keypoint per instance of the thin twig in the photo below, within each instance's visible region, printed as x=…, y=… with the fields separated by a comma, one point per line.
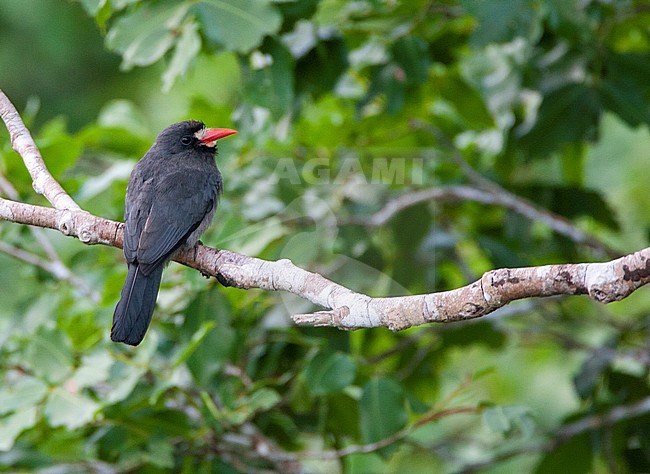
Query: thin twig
x=382, y=443
x=251, y=438
x=55, y=266
x=7, y=188
x=593, y=422
x=57, y=269
x=487, y=191
x=460, y=193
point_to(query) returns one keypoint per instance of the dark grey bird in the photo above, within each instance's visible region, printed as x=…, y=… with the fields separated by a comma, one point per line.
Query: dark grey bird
x=171, y=197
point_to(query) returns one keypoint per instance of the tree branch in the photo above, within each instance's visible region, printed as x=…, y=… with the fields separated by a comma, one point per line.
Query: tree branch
x=343, y=308
x=496, y=197
x=23, y=143
x=55, y=267
x=346, y=309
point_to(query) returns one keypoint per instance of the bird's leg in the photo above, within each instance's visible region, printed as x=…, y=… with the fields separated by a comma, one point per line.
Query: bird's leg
x=225, y=281
x=196, y=249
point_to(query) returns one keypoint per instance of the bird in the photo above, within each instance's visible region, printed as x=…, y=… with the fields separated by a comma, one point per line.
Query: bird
x=171, y=197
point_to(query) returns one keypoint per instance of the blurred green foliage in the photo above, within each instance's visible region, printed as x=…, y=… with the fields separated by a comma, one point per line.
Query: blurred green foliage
x=341, y=107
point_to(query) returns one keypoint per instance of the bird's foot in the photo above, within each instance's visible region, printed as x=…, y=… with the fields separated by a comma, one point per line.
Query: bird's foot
x=196, y=248
x=225, y=281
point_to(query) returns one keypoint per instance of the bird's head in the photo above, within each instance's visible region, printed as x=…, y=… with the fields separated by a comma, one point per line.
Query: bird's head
x=191, y=135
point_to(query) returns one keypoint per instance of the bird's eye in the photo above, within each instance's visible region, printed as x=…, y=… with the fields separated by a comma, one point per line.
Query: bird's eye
x=186, y=140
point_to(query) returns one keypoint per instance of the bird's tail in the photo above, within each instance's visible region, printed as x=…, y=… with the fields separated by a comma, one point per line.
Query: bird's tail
x=134, y=310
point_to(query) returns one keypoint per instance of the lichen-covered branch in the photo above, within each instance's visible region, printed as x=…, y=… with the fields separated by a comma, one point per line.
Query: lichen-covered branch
x=342, y=307
x=345, y=309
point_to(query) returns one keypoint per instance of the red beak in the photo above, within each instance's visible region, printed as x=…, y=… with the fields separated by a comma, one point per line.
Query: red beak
x=209, y=136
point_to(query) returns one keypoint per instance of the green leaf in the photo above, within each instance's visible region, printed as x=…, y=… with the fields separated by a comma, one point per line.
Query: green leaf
x=625, y=89
x=320, y=69
x=211, y=338
x=27, y=392
x=496, y=420
x=571, y=202
x=11, y=426
x=482, y=333
x=502, y=20
x=460, y=103
x=305, y=247
x=161, y=453
x=95, y=368
x=187, y=47
x=358, y=462
x=120, y=4
x=71, y=410
x=391, y=82
x=325, y=123
x=197, y=339
x=342, y=412
x=123, y=379
x=381, y=409
x=509, y=420
x=270, y=83
x=244, y=408
x=414, y=461
x=49, y=355
x=573, y=159
x=92, y=7
x=123, y=114
x=239, y=25
x=576, y=453
x=209, y=356
x=255, y=238
x=200, y=80
x=410, y=54
x=144, y=36
x=94, y=186
x=329, y=372
x=568, y=114
x=66, y=446
x=59, y=149
x=263, y=399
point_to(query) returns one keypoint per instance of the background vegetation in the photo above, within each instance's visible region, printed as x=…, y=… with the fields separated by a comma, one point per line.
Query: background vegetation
x=550, y=99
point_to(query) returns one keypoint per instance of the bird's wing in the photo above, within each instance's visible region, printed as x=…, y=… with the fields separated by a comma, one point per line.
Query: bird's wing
x=139, y=197
x=180, y=203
